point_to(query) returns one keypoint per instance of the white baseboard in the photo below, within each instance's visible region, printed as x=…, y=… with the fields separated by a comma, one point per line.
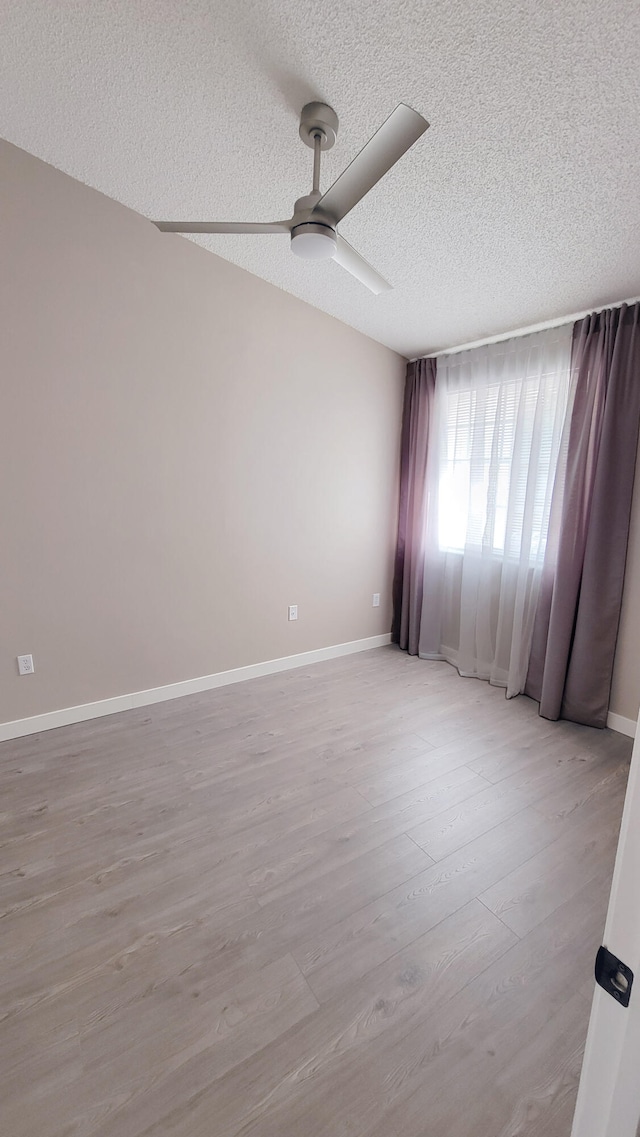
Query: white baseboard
x=67, y=715
x=621, y=724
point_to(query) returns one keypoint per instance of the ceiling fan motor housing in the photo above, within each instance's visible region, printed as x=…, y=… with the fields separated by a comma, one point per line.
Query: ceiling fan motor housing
x=313, y=241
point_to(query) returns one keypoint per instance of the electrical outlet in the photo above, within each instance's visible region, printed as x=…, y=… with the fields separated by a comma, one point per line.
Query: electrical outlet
x=293, y=611
x=376, y=600
x=25, y=665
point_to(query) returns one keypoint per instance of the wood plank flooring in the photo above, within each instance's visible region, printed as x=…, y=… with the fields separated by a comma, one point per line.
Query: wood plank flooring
x=361, y=899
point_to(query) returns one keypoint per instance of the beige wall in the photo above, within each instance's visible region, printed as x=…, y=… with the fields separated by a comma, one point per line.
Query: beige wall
x=625, y=689
x=185, y=450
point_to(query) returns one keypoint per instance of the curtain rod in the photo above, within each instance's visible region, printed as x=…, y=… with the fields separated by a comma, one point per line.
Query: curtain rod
x=557, y=323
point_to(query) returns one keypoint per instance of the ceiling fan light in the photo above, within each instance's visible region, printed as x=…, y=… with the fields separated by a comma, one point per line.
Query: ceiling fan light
x=313, y=242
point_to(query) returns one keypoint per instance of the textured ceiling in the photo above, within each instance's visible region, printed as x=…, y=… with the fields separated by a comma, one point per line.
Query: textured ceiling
x=521, y=203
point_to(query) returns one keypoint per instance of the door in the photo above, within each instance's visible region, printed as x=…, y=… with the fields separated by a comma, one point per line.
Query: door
x=609, y=1094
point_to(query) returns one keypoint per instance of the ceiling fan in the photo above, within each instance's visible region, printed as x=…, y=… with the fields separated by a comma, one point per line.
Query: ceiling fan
x=312, y=228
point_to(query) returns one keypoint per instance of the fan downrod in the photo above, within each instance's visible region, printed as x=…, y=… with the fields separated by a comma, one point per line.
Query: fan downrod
x=318, y=118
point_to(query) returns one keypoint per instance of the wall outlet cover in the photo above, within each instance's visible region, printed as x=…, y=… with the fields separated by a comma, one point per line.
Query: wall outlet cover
x=293, y=611
x=376, y=600
x=25, y=665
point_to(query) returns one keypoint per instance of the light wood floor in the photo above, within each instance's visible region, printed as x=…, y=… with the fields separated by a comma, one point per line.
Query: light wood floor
x=357, y=900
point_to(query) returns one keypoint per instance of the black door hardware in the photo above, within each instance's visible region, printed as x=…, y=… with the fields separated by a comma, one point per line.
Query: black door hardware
x=614, y=976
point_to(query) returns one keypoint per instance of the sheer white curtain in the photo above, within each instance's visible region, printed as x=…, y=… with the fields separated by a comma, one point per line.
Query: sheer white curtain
x=494, y=452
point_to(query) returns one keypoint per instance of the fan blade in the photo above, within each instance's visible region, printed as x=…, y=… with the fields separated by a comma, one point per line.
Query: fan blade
x=223, y=226
x=399, y=132
x=348, y=258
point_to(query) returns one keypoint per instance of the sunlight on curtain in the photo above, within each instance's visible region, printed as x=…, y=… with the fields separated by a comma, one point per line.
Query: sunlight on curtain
x=494, y=453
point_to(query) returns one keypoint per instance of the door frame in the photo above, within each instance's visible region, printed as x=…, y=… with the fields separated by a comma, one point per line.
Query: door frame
x=608, y=1102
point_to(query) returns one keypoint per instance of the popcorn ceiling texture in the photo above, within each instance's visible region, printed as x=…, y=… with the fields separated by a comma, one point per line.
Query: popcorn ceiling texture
x=520, y=204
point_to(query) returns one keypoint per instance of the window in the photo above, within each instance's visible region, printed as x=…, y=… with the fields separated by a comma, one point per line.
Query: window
x=498, y=450
x=495, y=458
